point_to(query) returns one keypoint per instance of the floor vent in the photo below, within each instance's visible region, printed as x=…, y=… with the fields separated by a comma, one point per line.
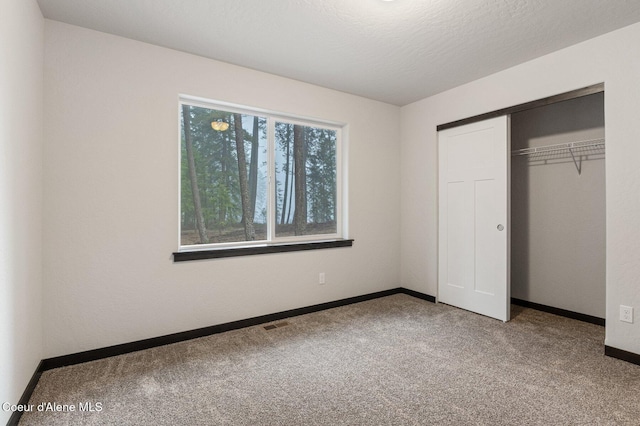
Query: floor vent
x=277, y=325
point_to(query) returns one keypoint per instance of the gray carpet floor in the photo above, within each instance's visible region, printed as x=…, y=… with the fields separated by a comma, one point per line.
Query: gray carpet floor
x=390, y=361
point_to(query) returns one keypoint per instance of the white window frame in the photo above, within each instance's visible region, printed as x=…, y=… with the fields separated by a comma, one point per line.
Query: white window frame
x=271, y=117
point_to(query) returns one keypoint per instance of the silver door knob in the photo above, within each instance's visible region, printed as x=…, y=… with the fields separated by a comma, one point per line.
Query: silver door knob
x=500, y=227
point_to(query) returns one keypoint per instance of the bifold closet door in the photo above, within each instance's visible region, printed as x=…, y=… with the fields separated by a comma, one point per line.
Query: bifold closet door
x=473, y=230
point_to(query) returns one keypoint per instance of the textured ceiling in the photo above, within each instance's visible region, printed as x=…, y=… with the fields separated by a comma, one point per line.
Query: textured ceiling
x=393, y=51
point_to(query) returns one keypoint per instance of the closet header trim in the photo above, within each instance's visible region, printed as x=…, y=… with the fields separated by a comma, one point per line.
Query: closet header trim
x=585, y=91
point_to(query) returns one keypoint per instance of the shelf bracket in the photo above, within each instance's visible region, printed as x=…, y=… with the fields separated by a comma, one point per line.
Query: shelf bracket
x=578, y=165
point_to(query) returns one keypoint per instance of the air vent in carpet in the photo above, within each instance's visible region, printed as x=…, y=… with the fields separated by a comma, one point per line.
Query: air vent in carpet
x=277, y=325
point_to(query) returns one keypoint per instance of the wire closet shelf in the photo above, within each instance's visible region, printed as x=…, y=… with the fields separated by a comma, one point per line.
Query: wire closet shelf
x=576, y=150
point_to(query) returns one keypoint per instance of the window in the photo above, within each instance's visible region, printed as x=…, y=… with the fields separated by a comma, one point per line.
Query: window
x=248, y=177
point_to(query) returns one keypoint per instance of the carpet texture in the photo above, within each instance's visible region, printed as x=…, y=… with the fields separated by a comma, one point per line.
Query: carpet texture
x=397, y=360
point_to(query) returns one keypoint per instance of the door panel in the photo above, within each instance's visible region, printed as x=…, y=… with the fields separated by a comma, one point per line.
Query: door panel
x=473, y=203
x=486, y=239
x=458, y=251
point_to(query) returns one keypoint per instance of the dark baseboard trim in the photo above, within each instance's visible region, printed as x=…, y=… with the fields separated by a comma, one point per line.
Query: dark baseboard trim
x=417, y=294
x=26, y=395
x=622, y=355
x=153, y=342
x=557, y=311
x=96, y=354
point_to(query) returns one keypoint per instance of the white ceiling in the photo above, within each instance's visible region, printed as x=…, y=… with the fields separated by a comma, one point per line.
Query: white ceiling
x=396, y=52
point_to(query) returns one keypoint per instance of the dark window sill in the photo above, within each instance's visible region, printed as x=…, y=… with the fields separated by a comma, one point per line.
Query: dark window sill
x=183, y=256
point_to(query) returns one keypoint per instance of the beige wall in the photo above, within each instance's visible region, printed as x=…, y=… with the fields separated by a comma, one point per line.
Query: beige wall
x=557, y=215
x=111, y=196
x=613, y=59
x=21, y=53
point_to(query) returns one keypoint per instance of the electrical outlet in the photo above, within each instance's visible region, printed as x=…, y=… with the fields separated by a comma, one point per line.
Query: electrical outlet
x=321, y=278
x=626, y=313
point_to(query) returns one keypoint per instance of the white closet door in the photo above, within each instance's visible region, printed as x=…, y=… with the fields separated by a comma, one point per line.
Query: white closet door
x=473, y=246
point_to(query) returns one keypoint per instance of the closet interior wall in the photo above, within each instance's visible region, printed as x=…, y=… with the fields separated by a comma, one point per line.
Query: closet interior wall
x=557, y=214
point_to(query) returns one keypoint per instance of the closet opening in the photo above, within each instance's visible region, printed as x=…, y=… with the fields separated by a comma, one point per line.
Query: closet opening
x=558, y=208
x=539, y=168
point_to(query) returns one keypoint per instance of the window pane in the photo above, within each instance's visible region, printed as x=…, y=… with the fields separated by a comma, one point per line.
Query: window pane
x=223, y=176
x=306, y=195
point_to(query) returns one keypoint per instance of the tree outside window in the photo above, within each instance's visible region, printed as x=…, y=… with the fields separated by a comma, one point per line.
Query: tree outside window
x=226, y=194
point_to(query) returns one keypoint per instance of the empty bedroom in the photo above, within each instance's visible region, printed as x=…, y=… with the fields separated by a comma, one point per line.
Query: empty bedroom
x=319, y=212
